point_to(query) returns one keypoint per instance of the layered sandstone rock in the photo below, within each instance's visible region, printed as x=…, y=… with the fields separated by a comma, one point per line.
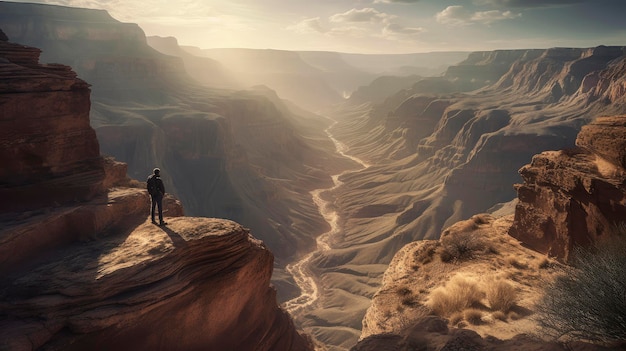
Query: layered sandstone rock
x=48, y=150
x=574, y=197
x=196, y=284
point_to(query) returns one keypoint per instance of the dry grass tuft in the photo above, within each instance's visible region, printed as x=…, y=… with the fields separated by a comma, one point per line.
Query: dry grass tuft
x=455, y=318
x=499, y=315
x=517, y=264
x=459, y=294
x=515, y=316
x=501, y=295
x=473, y=316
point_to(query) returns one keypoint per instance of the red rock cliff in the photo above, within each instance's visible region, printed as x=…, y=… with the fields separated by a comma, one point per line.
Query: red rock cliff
x=574, y=197
x=48, y=151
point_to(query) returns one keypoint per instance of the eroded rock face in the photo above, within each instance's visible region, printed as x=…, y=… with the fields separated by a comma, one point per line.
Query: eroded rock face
x=49, y=152
x=197, y=284
x=574, y=197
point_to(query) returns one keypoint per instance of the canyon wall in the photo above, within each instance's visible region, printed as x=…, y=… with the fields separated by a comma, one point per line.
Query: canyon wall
x=93, y=272
x=44, y=146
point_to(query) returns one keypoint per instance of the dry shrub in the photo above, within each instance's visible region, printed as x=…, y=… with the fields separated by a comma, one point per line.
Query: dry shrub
x=545, y=263
x=459, y=294
x=499, y=315
x=459, y=246
x=473, y=316
x=455, y=318
x=482, y=218
x=501, y=295
x=424, y=254
x=517, y=264
x=588, y=301
x=404, y=290
x=410, y=301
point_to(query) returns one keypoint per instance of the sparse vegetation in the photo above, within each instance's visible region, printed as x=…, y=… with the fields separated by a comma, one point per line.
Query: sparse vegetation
x=458, y=294
x=501, y=295
x=455, y=318
x=410, y=301
x=544, y=264
x=499, y=315
x=460, y=246
x=517, y=264
x=588, y=301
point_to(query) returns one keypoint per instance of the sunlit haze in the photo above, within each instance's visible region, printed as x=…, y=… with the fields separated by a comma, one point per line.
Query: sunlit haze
x=373, y=26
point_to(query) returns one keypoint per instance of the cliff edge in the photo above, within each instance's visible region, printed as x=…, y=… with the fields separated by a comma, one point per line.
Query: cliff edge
x=81, y=266
x=574, y=197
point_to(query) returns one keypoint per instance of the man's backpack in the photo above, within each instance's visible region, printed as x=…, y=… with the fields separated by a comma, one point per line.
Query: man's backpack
x=151, y=185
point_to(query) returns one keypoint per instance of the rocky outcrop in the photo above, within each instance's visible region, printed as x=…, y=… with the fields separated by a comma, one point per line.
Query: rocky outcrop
x=196, y=284
x=574, y=197
x=441, y=294
x=48, y=150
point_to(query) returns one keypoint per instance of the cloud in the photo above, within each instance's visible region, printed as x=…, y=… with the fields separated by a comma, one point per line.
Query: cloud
x=527, y=3
x=393, y=29
x=460, y=16
x=309, y=25
x=395, y=1
x=367, y=14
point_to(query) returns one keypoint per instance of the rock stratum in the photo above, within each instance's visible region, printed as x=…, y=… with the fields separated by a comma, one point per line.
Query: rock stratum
x=196, y=284
x=84, y=268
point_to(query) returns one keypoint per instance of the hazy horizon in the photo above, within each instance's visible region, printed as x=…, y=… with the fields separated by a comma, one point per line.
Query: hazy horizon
x=373, y=26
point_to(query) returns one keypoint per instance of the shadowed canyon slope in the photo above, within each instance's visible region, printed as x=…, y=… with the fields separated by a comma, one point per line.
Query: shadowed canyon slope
x=85, y=269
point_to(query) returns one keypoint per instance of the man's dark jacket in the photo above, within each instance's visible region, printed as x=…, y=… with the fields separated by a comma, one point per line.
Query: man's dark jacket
x=155, y=185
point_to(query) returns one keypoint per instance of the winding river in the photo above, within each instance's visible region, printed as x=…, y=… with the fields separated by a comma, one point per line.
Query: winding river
x=300, y=270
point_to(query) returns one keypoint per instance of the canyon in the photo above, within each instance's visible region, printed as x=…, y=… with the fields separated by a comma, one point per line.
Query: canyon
x=232, y=144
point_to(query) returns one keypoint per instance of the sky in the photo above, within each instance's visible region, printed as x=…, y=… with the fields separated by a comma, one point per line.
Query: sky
x=373, y=26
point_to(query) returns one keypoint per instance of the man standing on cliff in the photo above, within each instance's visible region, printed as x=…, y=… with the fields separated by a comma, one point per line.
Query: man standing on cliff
x=156, y=190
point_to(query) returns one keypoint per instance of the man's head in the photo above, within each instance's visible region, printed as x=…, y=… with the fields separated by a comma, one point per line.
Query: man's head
x=157, y=171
